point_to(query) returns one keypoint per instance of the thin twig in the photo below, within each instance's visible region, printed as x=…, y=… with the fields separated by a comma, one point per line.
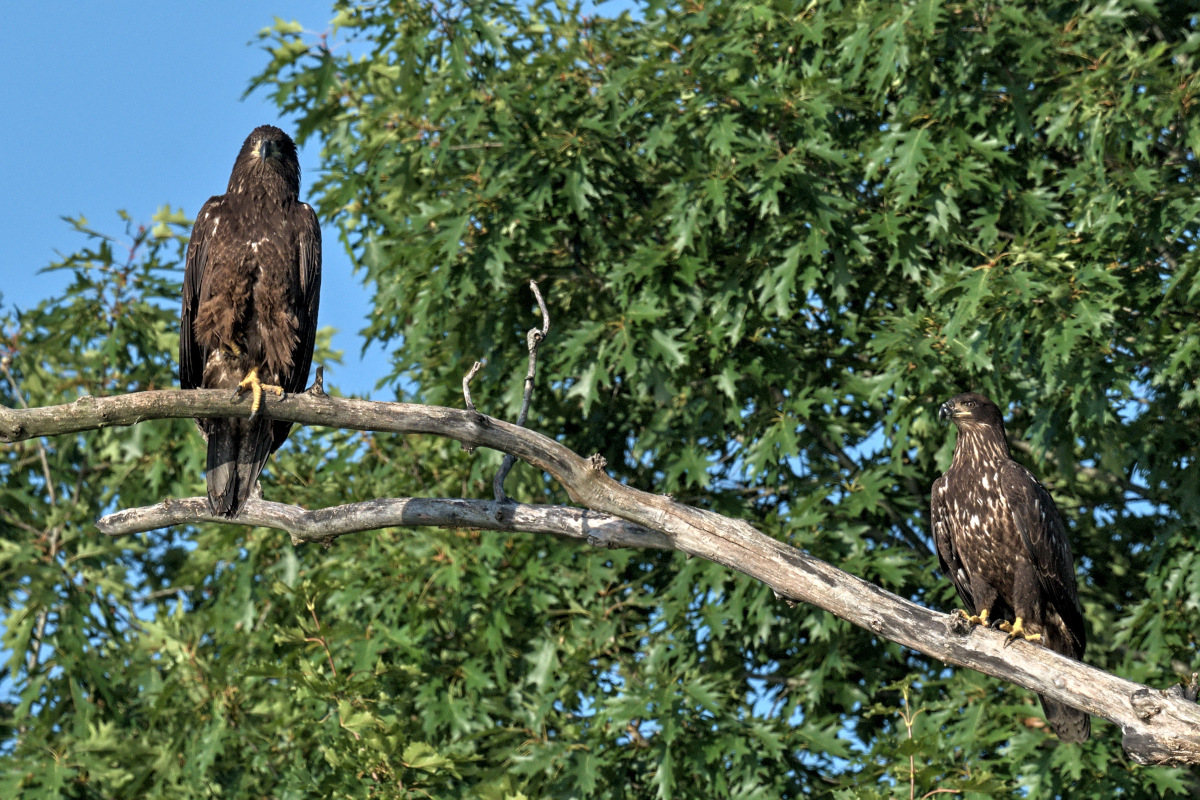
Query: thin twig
x=467, y=384
x=454, y=148
x=16, y=523
x=467, y=397
x=170, y=590
x=532, y=339
x=320, y=639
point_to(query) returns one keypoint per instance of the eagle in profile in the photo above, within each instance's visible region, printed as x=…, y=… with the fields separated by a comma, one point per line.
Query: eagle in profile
x=1001, y=540
x=251, y=286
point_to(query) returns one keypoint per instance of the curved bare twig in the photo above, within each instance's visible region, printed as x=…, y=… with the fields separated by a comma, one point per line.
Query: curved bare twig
x=533, y=339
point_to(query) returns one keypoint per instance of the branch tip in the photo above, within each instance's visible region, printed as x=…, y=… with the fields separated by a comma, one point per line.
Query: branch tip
x=318, y=385
x=541, y=307
x=532, y=339
x=466, y=384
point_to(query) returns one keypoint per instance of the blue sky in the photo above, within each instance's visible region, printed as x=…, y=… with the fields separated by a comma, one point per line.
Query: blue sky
x=134, y=105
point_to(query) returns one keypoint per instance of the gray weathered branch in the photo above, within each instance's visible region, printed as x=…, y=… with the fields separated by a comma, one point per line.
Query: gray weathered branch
x=1158, y=727
x=326, y=524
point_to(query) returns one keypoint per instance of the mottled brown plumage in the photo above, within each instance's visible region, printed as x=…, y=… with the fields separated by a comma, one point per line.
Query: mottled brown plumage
x=1001, y=541
x=250, y=292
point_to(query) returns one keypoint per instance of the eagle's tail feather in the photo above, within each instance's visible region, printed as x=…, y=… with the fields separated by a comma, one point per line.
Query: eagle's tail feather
x=221, y=470
x=237, y=451
x=1070, y=724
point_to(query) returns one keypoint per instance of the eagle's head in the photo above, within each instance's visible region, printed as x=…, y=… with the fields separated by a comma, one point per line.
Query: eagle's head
x=268, y=142
x=970, y=409
x=267, y=156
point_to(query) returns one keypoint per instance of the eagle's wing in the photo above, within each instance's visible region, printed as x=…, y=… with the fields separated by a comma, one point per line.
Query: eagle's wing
x=310, y=287
x=191, y=359
x=943, y=540
x=1045, y=538
x=308, y=234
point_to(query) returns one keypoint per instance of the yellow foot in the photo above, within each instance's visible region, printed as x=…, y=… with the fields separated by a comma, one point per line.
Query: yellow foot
x=256, y=388
x=980, y=619
x=232, y=349
x=1016, y=630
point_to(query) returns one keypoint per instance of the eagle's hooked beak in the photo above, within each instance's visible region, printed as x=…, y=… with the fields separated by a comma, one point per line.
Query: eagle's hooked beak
x=266, y=149
x=948, y=411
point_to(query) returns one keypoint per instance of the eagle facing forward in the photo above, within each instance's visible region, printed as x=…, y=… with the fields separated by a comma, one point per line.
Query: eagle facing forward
x=251, y=286
x=1001, y=540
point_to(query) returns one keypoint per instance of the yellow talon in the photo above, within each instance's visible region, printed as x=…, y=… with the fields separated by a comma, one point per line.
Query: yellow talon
x=256, y=388
x=1016, y=630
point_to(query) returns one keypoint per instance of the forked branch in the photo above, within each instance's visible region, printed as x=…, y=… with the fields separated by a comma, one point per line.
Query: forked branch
x=1158, y=727
x=533, y=339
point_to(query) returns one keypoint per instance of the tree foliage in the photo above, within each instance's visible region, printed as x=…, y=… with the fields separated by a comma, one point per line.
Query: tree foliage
x=773, y=237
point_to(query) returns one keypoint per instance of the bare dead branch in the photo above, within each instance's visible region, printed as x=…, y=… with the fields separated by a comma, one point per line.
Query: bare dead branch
x=1158, y=727
x=467, y=396
x=326, y=524
x=467, y=384
x=532, y=339
x=318, y=384
x=541, y=307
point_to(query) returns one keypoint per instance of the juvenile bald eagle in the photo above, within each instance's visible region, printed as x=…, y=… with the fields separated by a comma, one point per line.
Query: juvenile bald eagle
x=1001, y=540
x=251, y=286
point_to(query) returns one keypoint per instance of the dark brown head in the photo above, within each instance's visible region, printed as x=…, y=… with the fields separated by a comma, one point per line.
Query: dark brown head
x=980, y=426
x=970, y=409
x=267, y=160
